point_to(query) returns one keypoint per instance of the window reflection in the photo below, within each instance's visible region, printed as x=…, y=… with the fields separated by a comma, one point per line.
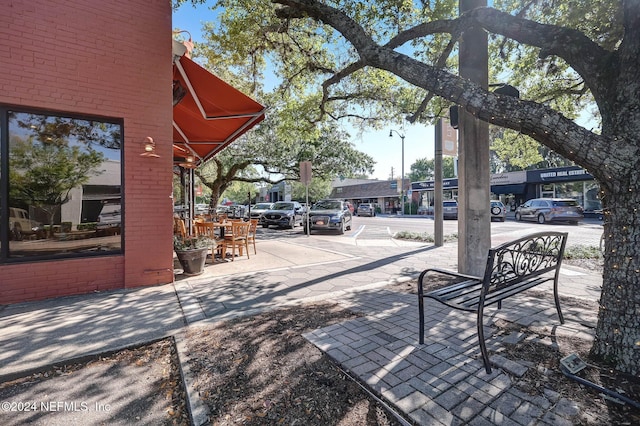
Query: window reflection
x=65, y=189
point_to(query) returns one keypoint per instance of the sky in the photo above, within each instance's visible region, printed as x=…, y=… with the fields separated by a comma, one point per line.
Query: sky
x=385, y=150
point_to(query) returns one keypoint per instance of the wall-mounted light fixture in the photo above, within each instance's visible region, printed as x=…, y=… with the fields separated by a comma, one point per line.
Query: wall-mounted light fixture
x=189, y=162
x=149, y=148
x=188, y=45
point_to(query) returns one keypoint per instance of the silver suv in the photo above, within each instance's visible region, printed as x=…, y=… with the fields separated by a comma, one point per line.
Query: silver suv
x=550, y=209
x=257, y=210
x=366, y=209
x=449, y=209
x=498, y=210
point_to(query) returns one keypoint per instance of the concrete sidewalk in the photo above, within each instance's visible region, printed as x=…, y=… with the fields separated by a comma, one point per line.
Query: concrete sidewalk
x=380, y=348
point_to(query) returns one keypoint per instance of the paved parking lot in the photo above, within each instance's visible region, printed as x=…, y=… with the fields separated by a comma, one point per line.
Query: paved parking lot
x=376, y=230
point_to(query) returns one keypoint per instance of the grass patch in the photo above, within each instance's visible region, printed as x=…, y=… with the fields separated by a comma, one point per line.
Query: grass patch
x=423, y=236
x=582, y=252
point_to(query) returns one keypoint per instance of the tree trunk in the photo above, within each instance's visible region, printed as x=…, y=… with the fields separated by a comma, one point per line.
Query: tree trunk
x=618, y=330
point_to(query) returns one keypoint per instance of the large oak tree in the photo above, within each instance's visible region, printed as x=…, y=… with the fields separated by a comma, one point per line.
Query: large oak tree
x=384, y=56
x=272, y=152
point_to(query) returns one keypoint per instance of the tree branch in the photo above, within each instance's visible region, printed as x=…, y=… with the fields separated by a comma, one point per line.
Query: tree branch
x=559, y=133
x=586, y=57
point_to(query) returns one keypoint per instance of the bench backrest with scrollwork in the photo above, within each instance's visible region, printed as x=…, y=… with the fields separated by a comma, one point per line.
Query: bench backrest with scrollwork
x=518, y=263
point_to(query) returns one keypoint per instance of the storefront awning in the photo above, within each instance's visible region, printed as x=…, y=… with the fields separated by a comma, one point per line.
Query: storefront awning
x=515, y=188
x=208, y=113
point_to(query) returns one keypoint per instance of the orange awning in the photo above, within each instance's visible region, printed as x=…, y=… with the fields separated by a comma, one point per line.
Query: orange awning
x=211, y=115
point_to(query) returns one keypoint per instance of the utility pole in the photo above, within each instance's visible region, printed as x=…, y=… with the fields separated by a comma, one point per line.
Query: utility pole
x=438, y=226
x=474, y=220
x=402, y=178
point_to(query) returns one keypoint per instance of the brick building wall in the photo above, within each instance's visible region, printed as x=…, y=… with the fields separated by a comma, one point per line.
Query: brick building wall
x=108, y=58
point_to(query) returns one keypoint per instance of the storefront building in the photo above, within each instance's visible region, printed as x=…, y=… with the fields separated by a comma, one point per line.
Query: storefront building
x=84, y=85
x=514, y=188
x=384, y=194
x=99, y=106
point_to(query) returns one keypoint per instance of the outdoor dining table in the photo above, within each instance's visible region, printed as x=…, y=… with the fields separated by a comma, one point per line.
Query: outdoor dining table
x=221, y=226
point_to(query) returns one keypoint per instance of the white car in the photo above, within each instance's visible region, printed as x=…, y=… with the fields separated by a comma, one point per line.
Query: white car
x=20, y=224
x=110, y=216
x=498, y=210
x=258, y=209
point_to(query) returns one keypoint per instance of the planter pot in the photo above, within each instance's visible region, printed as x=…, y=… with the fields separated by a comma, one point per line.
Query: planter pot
x=192, y=261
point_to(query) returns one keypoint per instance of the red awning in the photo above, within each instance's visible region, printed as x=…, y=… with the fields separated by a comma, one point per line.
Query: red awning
x=210, y=115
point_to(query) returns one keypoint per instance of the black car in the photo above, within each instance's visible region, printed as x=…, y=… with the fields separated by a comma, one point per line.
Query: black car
x=284, y=214
x=329, y=215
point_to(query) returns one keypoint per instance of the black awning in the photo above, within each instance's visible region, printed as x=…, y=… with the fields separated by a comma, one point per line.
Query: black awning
x=515, y=188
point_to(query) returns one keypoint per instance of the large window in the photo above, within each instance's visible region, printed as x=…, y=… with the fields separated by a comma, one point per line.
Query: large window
x=61, y=192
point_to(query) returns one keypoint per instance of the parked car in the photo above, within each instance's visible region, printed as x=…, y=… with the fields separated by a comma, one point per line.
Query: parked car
x=110, y=216
x=450, y=209
x=201, y=208
x=498, y=210
x=425, y=210
x=258, y=209
x=20, y=224
x=366, y=209
x=551, y=210
x=284, y=214
x=237, y=211
x=329, y=215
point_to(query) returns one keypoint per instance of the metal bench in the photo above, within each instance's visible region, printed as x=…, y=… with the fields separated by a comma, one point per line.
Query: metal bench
x=512, y=268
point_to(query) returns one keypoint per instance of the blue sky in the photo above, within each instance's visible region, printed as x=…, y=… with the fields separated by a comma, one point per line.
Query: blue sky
x=385, y=150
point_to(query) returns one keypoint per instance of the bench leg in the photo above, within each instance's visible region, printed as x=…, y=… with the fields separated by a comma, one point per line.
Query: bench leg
x=557, y=300
x=421, y=319
x=421, y=307
x=483, y=345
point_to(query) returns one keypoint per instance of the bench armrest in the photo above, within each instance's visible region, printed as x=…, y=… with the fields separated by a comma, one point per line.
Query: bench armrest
x=424, y=273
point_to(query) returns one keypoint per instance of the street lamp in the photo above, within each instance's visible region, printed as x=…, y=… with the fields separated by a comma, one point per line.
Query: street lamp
x=402, y=188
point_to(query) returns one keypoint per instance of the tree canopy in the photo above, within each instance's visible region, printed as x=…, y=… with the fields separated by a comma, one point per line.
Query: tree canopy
x=272, y=152
x=424, y=169
x=374, y=58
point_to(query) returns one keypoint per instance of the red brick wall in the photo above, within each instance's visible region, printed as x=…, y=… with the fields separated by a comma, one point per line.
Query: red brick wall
x=110, y=58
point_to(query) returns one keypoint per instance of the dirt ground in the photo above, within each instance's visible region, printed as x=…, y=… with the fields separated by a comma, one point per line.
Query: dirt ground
x=259, y=370
x=134, y=386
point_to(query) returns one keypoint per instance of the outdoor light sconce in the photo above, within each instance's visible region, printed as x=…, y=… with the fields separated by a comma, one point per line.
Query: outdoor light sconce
x=149, y=148
x=187, y=46
x=189, y=162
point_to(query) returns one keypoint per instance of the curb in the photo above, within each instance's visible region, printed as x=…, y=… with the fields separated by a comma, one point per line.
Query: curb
x=198, y=411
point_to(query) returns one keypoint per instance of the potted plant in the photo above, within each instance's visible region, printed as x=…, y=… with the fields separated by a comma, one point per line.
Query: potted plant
x=192, y=252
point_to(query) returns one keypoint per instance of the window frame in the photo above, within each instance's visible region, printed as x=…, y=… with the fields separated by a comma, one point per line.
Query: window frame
x=5, y=110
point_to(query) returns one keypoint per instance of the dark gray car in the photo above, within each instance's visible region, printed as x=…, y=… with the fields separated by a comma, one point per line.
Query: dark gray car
x=285, y=214
x=544, y=210
x=329, y=215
